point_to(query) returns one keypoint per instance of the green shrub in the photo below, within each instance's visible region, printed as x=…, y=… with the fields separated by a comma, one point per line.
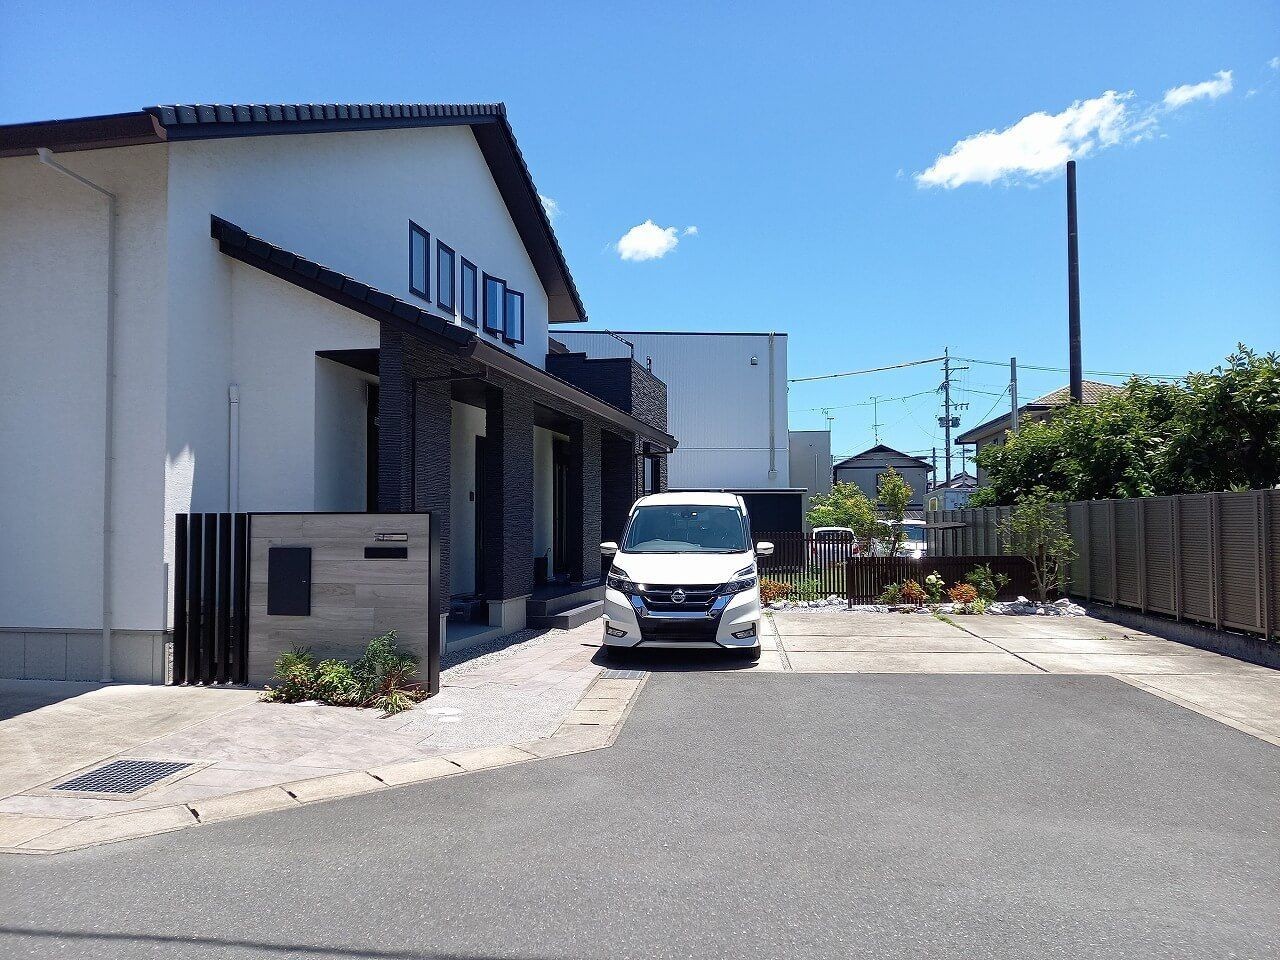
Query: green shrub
x=892, y=593
x=987, y=584
x=382, y=677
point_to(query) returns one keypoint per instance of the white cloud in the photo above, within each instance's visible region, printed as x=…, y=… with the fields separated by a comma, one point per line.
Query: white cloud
x=1274, y=63
x=690, y=231
x=1039, y=144
x=648, y=241
x=552, y=208
x=1220, y=85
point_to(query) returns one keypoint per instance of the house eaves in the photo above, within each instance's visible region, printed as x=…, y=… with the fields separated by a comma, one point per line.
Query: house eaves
x=488, y=123
x=371, y=302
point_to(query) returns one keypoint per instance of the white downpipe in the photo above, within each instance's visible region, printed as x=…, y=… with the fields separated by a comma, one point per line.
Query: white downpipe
x=233, y=448
x=773, y=453
x=108, y=457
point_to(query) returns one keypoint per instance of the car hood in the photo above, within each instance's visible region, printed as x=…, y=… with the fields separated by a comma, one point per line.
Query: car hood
x=682, y=568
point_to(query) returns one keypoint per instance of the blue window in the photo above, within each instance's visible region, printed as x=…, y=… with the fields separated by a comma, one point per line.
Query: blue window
x=419, y=268
x=494, y=302
x=513, y=317
x=444, y=276
x=468, y=292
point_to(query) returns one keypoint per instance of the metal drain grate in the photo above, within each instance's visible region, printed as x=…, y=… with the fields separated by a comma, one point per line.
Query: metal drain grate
x=609, y=673
x=122, y=776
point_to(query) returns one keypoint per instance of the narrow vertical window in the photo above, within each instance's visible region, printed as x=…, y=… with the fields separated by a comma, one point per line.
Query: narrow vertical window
x=513, y=317
x=419, y=271
x=444, y=276
x=467, y=295
x=494, y=297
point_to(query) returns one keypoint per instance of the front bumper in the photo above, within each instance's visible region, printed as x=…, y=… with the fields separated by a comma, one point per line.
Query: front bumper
x=708, y=630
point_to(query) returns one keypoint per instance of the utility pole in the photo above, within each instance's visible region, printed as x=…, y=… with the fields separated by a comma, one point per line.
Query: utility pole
x=1073, y=287
x=875, y=418
x=934, y=459
x=946, y=409
x=1013, y=394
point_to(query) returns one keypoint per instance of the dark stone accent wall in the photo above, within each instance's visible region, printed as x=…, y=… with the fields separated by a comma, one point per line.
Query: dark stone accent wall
x=586, y=489
x=508, y=496
x=619, y=381
x=415, y=458
x=415, y=422
x=619, y=485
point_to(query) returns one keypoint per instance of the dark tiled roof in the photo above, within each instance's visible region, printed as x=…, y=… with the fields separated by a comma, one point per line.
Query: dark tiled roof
x=881, y=454
x=1091, y=390
x=342, y=289
x=488, y=122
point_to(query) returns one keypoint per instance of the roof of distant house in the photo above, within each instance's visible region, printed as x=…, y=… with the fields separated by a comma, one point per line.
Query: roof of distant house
x=881, y=455
x=488, y=123
x=961, y=481
x=1092, y=391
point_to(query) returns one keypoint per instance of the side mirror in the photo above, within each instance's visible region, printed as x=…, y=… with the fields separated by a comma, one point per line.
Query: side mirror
x=609, y=548
x=764, y=549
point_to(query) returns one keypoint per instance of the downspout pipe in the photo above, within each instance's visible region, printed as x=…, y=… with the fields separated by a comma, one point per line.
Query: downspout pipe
x=233, y=448
x=108, y=452
x=773, y=453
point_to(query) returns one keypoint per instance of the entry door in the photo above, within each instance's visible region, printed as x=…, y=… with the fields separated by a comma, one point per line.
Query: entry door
x=560, y=507
x=478, y=497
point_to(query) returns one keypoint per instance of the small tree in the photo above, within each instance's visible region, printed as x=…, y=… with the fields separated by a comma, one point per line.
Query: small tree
x=1037, y=530
x=893, y=495
x=845, y=506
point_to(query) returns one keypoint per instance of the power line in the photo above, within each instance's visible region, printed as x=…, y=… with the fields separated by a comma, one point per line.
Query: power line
x=855, y=373
x=864, y=403
x=1092, y=373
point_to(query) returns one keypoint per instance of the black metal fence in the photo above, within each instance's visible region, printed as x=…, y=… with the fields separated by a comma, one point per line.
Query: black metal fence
x=211, y=598
x=811, y=567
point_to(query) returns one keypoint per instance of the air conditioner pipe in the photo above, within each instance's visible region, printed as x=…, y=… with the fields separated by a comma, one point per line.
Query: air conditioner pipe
x=46, y=157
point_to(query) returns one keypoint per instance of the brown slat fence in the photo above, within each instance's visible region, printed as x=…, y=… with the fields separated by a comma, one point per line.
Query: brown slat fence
x=1213, y=558
x=868, y=576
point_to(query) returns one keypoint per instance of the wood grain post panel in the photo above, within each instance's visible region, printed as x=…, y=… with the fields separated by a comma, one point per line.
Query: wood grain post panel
x=342, y=578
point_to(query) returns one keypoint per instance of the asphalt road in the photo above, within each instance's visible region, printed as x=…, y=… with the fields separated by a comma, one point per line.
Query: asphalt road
x=763, y=815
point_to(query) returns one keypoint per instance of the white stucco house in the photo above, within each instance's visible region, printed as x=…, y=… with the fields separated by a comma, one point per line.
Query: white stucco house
x=285, y=308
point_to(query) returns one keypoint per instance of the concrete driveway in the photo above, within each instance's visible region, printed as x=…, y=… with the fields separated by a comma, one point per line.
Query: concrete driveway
x=739, y=814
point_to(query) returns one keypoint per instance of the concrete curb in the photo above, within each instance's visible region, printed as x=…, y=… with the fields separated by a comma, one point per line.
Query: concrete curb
x=1241, y=646
x=593, y=724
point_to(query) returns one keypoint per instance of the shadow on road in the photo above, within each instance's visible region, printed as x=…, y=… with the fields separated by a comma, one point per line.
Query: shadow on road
x=665, y=660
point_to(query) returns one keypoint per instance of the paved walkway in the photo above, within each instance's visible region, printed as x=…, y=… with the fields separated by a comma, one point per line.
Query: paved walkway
x=518, y=695
x=746, y=815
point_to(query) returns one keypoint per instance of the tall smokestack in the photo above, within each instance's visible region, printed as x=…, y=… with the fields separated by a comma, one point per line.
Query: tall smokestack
x=1073, y=287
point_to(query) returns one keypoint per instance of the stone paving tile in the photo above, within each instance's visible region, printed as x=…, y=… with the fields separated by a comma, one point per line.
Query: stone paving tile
x=994, y=662
x=16, y=828
x=262, y=800
x=838, y=624
x=107, y=829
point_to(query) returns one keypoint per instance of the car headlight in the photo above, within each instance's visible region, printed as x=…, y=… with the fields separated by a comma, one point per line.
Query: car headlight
x=618, y=580
x=744, y=579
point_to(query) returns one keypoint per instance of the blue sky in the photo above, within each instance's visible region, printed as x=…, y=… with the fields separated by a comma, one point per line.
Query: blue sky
x=804, y=148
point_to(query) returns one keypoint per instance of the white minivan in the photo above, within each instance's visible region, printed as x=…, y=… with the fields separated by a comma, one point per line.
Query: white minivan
x=684, y=576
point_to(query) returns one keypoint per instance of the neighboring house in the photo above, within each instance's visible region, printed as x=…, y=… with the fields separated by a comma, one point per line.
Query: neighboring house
x=951, y=495
x=865, y=469
x=316, y=308
x=810, y=461
x=727, y=402
x=994, y=430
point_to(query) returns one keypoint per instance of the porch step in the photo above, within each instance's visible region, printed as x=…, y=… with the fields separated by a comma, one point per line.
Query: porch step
x=562, y=600
x=568, y=619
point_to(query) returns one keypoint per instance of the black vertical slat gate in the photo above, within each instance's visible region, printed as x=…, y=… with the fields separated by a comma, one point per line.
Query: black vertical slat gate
x=210, y=598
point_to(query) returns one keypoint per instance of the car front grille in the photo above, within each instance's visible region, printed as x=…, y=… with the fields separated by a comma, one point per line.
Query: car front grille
x=697, y=597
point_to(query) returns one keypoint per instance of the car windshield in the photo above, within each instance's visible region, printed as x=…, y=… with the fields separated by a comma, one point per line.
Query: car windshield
x=686, y=528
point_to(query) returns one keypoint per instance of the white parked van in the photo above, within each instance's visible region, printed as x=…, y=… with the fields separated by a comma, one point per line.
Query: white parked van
x=685, y=576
